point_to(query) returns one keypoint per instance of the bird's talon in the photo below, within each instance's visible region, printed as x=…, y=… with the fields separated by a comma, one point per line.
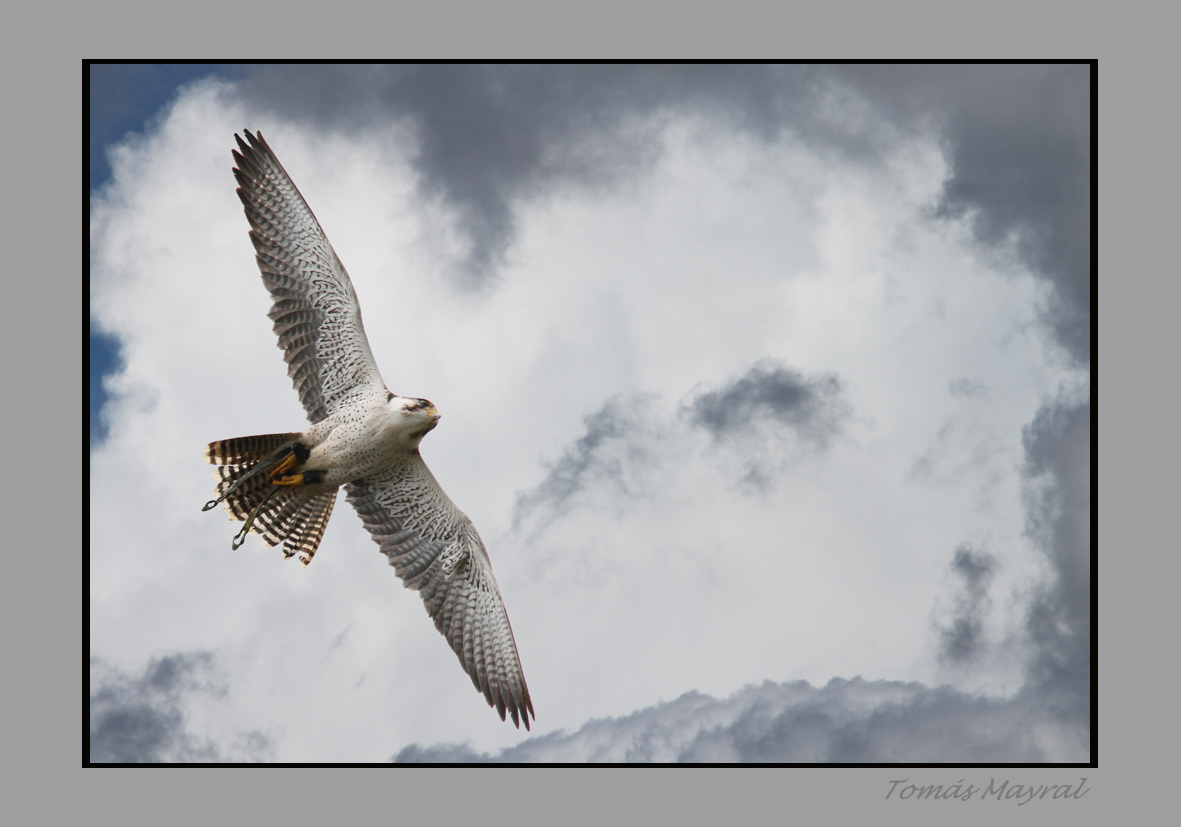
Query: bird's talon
x=289, y=462
x=306, y=478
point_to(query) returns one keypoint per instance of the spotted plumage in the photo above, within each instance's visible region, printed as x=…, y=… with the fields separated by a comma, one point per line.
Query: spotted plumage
x=362, y=437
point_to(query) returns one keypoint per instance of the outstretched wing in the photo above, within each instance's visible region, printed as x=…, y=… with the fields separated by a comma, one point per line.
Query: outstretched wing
x=435, y=549
x=316, y=314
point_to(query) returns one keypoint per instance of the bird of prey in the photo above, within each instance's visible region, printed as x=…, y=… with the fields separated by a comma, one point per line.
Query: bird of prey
x=362, y=437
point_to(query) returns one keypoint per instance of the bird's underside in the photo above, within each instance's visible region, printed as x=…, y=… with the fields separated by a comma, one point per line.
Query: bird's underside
x=364, y=437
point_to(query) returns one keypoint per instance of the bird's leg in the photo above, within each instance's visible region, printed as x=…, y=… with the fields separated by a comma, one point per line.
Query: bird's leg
x=287, y=457
x=298, y=456
x=240, y=537
x=306, y=478
x=289, y=462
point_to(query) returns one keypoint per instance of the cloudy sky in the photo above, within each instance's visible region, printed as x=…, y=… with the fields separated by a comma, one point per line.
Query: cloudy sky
x=767, y=389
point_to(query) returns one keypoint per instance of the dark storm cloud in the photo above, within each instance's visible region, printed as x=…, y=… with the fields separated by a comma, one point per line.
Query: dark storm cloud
x=1021, y=165
x=1018, y=142
x=853, y=721
x=771, y=392
x=962, y=637
x=626, y=438
x=441, y=754
x=882, y=722
x=1057, y=623
x=1058, y=509
x=491, y=135
x=1017, y=138
x=140, y=719
x=615, y=442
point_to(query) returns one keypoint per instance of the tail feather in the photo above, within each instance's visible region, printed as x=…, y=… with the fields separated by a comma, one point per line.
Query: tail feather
x=290, y=516
x=273, y=523
x=309, y=524
x=246, y=448
x=239, y=504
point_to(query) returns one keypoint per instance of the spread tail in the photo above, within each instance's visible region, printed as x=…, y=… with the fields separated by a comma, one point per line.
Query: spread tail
x=280, y=514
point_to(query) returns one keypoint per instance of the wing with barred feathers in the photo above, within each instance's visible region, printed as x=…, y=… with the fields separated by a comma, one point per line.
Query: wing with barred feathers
x=315, y=312
x=435, y=549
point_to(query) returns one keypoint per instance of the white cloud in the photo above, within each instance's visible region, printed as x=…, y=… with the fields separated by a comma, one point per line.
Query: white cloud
x=727, y=252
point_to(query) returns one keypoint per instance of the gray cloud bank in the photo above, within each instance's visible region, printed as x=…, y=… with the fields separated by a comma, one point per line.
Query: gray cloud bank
x=1058, y=509
x=853, y=721
x=1017, y=139
x=141, y=718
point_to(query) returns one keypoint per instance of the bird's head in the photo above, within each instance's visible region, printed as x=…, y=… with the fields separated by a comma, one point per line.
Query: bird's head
x=415, y=416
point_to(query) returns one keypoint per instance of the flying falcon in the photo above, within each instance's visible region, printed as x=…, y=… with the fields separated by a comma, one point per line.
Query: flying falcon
x=362, y=437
